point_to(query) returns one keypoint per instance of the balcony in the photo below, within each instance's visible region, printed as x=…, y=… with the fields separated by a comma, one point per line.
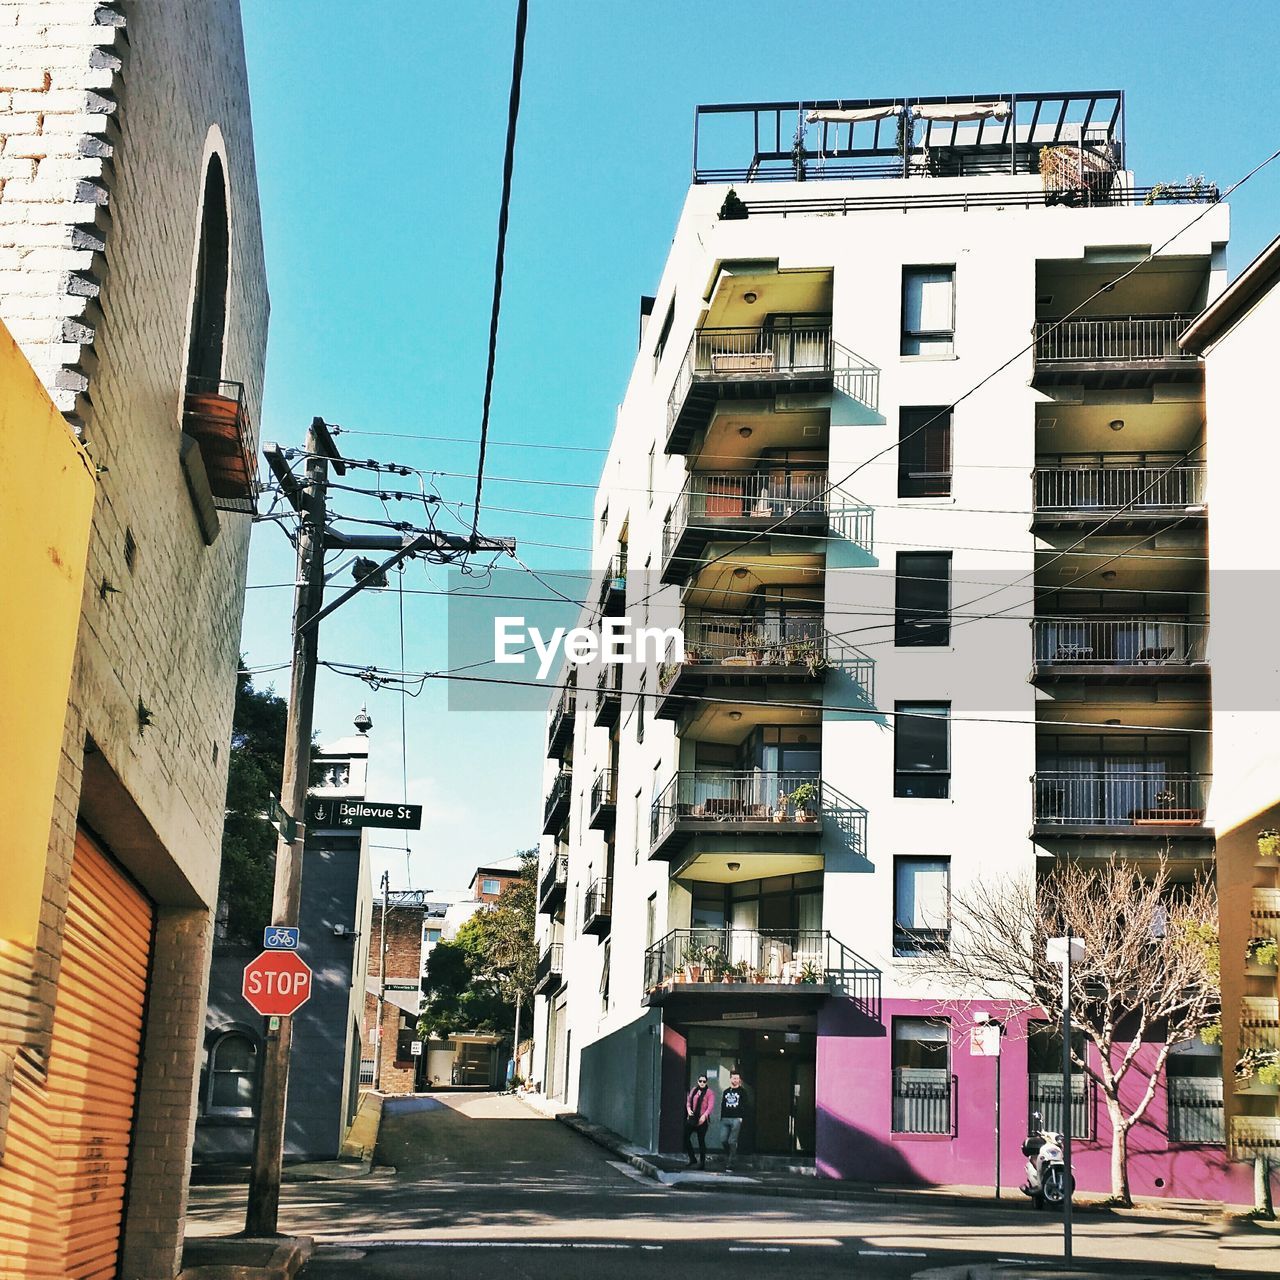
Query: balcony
x=734, y=654
x=731, y=505
x=551, y=888
x=748, y=811
x=549, y=969
x=613, y=588
x=608, y=695
x=560, y=735
x=556, y=812
x=1138, y=802
x=1126, y=495
x=1113, y=352
x=782, y=971
x=604, y=800
x=597, y=907
x=1136, y=650
x=215, y=416
x=745, y=363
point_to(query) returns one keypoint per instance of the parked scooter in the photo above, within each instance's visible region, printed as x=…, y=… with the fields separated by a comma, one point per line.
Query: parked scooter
x=1046, y=1182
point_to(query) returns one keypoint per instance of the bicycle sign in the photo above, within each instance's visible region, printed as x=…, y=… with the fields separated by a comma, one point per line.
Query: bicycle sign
x=280, y=937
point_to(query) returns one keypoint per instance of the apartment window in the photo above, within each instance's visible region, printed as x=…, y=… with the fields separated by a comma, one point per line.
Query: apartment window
x=921, y=1075
x=233, y=1073
x=924, y=452
x=604, y=519
x=650, y=918
x=928, y=311
x=209, y=303
x=635, y=827
x=1193, y=1074
x=490, y=886
x=649, y=473
x=922, y=750
x=1044, y=1082
x=921, y=905
x=641, y=699
x=604, y=976
x=664, y=333
x=922, y=598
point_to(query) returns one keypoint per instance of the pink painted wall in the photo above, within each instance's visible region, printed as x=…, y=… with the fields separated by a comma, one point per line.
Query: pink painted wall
x=855, y=1142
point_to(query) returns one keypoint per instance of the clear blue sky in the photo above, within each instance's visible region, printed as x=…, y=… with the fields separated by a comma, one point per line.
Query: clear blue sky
x=379, y=131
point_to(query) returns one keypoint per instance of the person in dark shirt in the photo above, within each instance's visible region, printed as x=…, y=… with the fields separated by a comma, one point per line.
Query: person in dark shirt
x=733, y=1110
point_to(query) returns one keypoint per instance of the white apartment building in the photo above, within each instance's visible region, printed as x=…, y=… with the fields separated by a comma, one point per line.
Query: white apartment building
x=940, y=568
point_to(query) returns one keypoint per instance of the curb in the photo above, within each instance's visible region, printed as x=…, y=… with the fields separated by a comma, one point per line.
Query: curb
x=284, y=1258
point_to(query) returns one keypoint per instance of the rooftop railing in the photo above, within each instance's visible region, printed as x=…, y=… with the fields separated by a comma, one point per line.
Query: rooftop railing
x=1135, y=643
x=763, y=957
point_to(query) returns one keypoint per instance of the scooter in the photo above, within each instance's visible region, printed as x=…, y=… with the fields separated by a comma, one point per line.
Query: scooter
x=1046, y=1182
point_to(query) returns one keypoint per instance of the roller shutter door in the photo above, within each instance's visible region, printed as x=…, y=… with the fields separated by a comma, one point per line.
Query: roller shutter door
x=62, y=1179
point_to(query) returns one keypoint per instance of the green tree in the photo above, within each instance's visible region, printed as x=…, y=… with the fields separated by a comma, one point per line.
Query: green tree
x=248, y=839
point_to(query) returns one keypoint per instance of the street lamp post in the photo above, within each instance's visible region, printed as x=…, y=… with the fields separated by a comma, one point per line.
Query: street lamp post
x=1064, y=951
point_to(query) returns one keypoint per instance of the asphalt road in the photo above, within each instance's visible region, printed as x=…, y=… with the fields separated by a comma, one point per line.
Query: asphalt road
x=484, y=1187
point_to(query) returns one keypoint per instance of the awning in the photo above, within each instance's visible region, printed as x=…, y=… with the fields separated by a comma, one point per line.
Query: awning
x=961, y=110
x=850, y=115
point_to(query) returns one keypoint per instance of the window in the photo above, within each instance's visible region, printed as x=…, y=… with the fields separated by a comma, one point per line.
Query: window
x=1193, y=1073
x=604, y=976
x=209, y=305
x=924, y=452
x=650, y=918
x=635, y=832
x=921, y=905
x=640, y=702
x=431, y=936
x=928, y=311
x=664, y=333
x=649, y=474
x=490, y=886
x=233, y=1074
x=604, y=519
x=922, y=598
x=921, y=1075
x=922, y=750
x=1044, y=1082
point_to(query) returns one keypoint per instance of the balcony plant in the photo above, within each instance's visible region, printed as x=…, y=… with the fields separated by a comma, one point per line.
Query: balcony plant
x=1262, y=952
x=741, y=971
x=756, y=646
x=1258, y=1072
x=815, y=661
x=805, y=800
x=713, y=963
x=694, y=959
x=780, y=808
x=1269, y=842
x=810, y=975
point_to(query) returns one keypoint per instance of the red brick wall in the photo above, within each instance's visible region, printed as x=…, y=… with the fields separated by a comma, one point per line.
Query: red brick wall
x=404, y=963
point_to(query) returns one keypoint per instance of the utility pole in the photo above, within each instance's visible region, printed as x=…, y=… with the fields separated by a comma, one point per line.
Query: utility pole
x=515, y=1047
x=308, y=599
x=309, y=498
x=382, y=981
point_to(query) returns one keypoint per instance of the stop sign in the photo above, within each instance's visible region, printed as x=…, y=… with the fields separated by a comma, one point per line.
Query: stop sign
x=277, y=982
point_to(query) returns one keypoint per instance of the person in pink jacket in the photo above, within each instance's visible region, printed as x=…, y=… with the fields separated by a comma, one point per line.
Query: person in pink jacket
x=699, y=1107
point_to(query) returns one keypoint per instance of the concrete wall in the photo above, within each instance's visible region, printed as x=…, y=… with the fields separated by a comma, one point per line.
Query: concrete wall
x=107, y=119
x=619, y=1080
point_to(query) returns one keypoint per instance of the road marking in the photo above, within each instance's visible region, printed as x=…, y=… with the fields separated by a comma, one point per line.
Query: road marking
x=753, y=1248
x=889, y=1253
x=474, y=1244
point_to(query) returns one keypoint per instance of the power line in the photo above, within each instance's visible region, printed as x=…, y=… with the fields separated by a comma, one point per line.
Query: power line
x=504, y=214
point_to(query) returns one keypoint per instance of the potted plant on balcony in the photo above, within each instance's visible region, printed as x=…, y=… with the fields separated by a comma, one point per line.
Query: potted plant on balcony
x=693, y=959
x=815, y=661
x=741, y=971
x=1261, y=956
x=805, y=801
x=756, y=647
x=1258, y=1073
x=713, y=964
x=780, y=808
x=810, y=975
x=1269, y=842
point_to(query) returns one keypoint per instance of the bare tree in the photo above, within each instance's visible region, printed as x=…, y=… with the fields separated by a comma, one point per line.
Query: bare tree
x=1149, y=976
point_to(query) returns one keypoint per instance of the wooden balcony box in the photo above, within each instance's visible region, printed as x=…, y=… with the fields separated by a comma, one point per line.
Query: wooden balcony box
x=214, y=415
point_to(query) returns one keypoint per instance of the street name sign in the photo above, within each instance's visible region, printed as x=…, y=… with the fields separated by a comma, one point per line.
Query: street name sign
x=282, y=822
x=277, y=983
x=402, y=986
x=323, y=812
x=281, y=937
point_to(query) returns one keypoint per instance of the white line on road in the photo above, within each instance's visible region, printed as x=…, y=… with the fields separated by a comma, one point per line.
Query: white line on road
x=889, y=1253
x=366, y=1243
x=753, y=1248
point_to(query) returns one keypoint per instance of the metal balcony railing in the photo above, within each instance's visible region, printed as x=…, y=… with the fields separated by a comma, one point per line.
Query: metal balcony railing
x=750, y=354
x=922, y=1100
x=562, y=719
x=764, y=957
x=770, y=494
x=557, y=800
x=598, y=903
x=1096, y=488
x=608, y=682
x=1120, y=795
x=1113, y=339
x=604, y=789
x=758, y=795
x=1152, y=640
x=550, y=965
x=1044, y=1095
x=555, y=878
x=614, y=579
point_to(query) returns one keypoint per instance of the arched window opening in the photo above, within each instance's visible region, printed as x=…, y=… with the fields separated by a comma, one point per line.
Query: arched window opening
x=209, y=307
x=233, y=1074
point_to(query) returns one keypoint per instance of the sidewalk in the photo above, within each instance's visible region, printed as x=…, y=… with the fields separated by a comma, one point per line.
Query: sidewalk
x=675, y=1172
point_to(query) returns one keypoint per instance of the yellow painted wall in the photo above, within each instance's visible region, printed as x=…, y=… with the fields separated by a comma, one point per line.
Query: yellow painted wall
x=47, y=487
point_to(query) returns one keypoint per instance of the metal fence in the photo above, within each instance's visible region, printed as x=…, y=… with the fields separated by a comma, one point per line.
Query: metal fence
x=1150, y=640
x=1113, y=338
x=603, y=789
x=1120, y=794
x=558, y=795
x=1044, y=1094
x=922, y=1099
x=598, y=900
x=1196, y=1109
x=366, y=1071
x=1098, y=488
x=756, y=795
x=557, y=873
